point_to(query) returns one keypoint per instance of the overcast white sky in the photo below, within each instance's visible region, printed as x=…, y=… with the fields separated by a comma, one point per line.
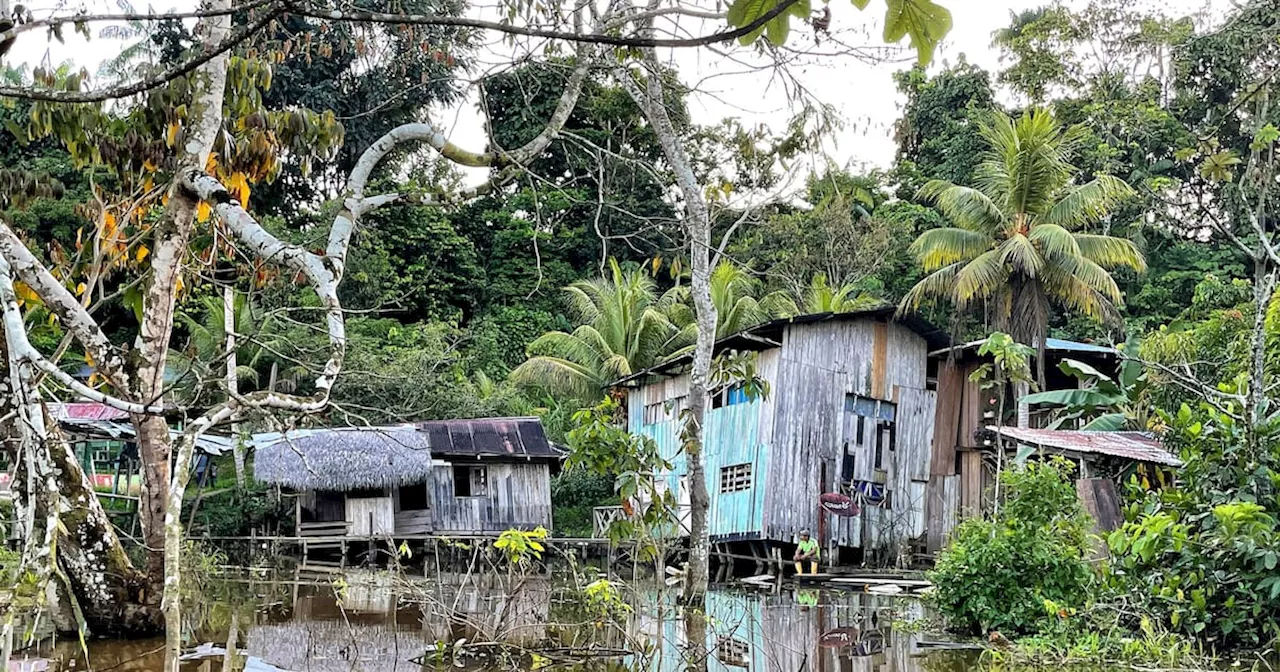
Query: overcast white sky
x=862, y=93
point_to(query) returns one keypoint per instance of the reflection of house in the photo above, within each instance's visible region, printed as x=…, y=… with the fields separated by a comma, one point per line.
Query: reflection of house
x=836, y=632
x=461, y=476
x=850, y=410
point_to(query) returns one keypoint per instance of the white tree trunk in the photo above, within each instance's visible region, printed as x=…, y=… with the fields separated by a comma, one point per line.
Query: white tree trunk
x=233, y=383
x=697, y=223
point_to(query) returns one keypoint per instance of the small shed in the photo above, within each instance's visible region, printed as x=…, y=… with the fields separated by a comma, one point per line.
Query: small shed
x=458, y=476
x=1103, y=459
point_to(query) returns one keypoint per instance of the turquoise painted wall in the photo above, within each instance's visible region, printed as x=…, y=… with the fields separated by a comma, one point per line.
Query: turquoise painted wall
x=732, y=438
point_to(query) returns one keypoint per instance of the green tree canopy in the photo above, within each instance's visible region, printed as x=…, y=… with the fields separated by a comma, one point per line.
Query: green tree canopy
x=1016, y=241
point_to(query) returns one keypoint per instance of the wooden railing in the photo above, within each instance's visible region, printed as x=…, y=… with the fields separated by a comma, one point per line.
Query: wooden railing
x=604, y=516
x=338, y=528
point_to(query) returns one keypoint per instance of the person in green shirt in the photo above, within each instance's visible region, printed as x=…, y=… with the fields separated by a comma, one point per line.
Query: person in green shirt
x=807, y=549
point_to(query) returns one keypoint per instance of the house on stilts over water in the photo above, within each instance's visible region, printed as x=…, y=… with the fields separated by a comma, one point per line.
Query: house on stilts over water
x=845, y=444
x=449, y=477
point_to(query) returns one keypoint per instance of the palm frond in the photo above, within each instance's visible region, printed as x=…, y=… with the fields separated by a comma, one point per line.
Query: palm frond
x=1110, y=251
x=1089, y=202
x=1018, y=252
x=940, y=247
x=980, y=278
x=937, y=285
x=1054, y=241
x=562, y=375
x=966, y=207
x=1077, y=295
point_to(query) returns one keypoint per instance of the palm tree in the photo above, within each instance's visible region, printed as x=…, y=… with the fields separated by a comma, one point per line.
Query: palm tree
x=737, y=295
x=820, y=297
x=621, y=329
x=1017, y=243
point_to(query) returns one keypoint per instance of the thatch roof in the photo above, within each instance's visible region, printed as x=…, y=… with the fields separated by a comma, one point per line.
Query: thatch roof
x=499, y=437
x=343, y=458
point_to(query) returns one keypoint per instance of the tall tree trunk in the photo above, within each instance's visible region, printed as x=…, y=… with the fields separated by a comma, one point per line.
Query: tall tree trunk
x=697, y=223
x=171, y=238
x=58, y=507
x=233, y=384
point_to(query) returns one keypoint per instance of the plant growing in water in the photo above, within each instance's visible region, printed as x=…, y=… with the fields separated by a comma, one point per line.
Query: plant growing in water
x=1002, y=572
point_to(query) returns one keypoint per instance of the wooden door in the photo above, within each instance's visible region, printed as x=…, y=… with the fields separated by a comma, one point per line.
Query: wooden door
x=371, y=517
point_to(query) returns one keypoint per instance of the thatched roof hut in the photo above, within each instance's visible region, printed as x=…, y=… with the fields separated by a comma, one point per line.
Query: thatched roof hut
x=343, y=458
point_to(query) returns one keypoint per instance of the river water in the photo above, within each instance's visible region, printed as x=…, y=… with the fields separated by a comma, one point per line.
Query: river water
x=379, y=622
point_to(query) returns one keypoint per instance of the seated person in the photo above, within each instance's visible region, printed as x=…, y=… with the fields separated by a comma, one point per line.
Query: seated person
x=807, y=550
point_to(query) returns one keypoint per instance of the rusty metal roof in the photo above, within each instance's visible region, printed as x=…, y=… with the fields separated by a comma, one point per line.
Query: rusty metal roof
x=510, y=437
x=86, y=410
x=1139, y=446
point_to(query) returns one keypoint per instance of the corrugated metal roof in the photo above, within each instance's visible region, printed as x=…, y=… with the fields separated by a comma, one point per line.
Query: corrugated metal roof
x=517, y=437
x=1138, y=446
x=212, y=444
x=85, y=410
x=1052, y=344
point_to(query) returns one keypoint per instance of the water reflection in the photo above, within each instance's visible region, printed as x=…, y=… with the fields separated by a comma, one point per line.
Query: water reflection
x=374, y=622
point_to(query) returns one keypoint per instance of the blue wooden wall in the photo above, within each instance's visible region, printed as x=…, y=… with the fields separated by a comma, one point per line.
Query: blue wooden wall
x=733, y=437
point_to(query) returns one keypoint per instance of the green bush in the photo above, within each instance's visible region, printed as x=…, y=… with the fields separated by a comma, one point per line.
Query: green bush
x=1017, y=570
x=236, y=513
x=574, y=493
x=1204, y=557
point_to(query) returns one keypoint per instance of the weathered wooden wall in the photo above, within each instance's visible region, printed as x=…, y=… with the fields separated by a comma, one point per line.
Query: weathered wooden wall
x=736, y=434
x=518, y=495
x=822, y=364
x=371, y=516
x=794, y=439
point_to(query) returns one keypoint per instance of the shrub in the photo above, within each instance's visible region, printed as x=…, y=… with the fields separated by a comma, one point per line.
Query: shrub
x=574, y=493
x=1204, y=557
x=1016, y=570
x=235, y=513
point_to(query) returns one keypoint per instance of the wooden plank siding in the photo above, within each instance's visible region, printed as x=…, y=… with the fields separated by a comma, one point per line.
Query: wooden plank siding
x=735, y=435
x=796, y=438
x=822, y=364
x=518, y=495
x=370, y=516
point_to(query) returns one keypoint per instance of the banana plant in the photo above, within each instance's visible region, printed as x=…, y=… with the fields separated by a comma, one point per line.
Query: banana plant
x=1104, y=403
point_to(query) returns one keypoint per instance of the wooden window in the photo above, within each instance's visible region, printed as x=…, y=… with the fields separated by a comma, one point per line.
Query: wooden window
x=675, y=405
x=733, y=652
x=728, y=396
x=470, y=481
x=735, y=478
x=414, y=497
x=366, y=493
x=874, y=426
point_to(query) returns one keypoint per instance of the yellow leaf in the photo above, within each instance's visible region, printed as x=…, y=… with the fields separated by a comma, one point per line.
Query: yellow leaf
x=149, y=166
x=25, y=293
x=80, y=289
x=88, y=359
x=172, y=134
x=202, y=212
x=212, y=164
x=177, y=286
x=141, y=254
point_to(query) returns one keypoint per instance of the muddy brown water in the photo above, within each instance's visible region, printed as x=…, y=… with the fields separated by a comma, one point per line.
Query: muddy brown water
x=377, y=622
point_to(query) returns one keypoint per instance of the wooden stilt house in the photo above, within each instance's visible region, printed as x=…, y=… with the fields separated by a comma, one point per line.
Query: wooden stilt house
x=850, y=413
x=458, y=476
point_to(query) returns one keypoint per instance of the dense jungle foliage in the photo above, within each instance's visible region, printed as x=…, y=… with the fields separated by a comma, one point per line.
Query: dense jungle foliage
x=1077, y=212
